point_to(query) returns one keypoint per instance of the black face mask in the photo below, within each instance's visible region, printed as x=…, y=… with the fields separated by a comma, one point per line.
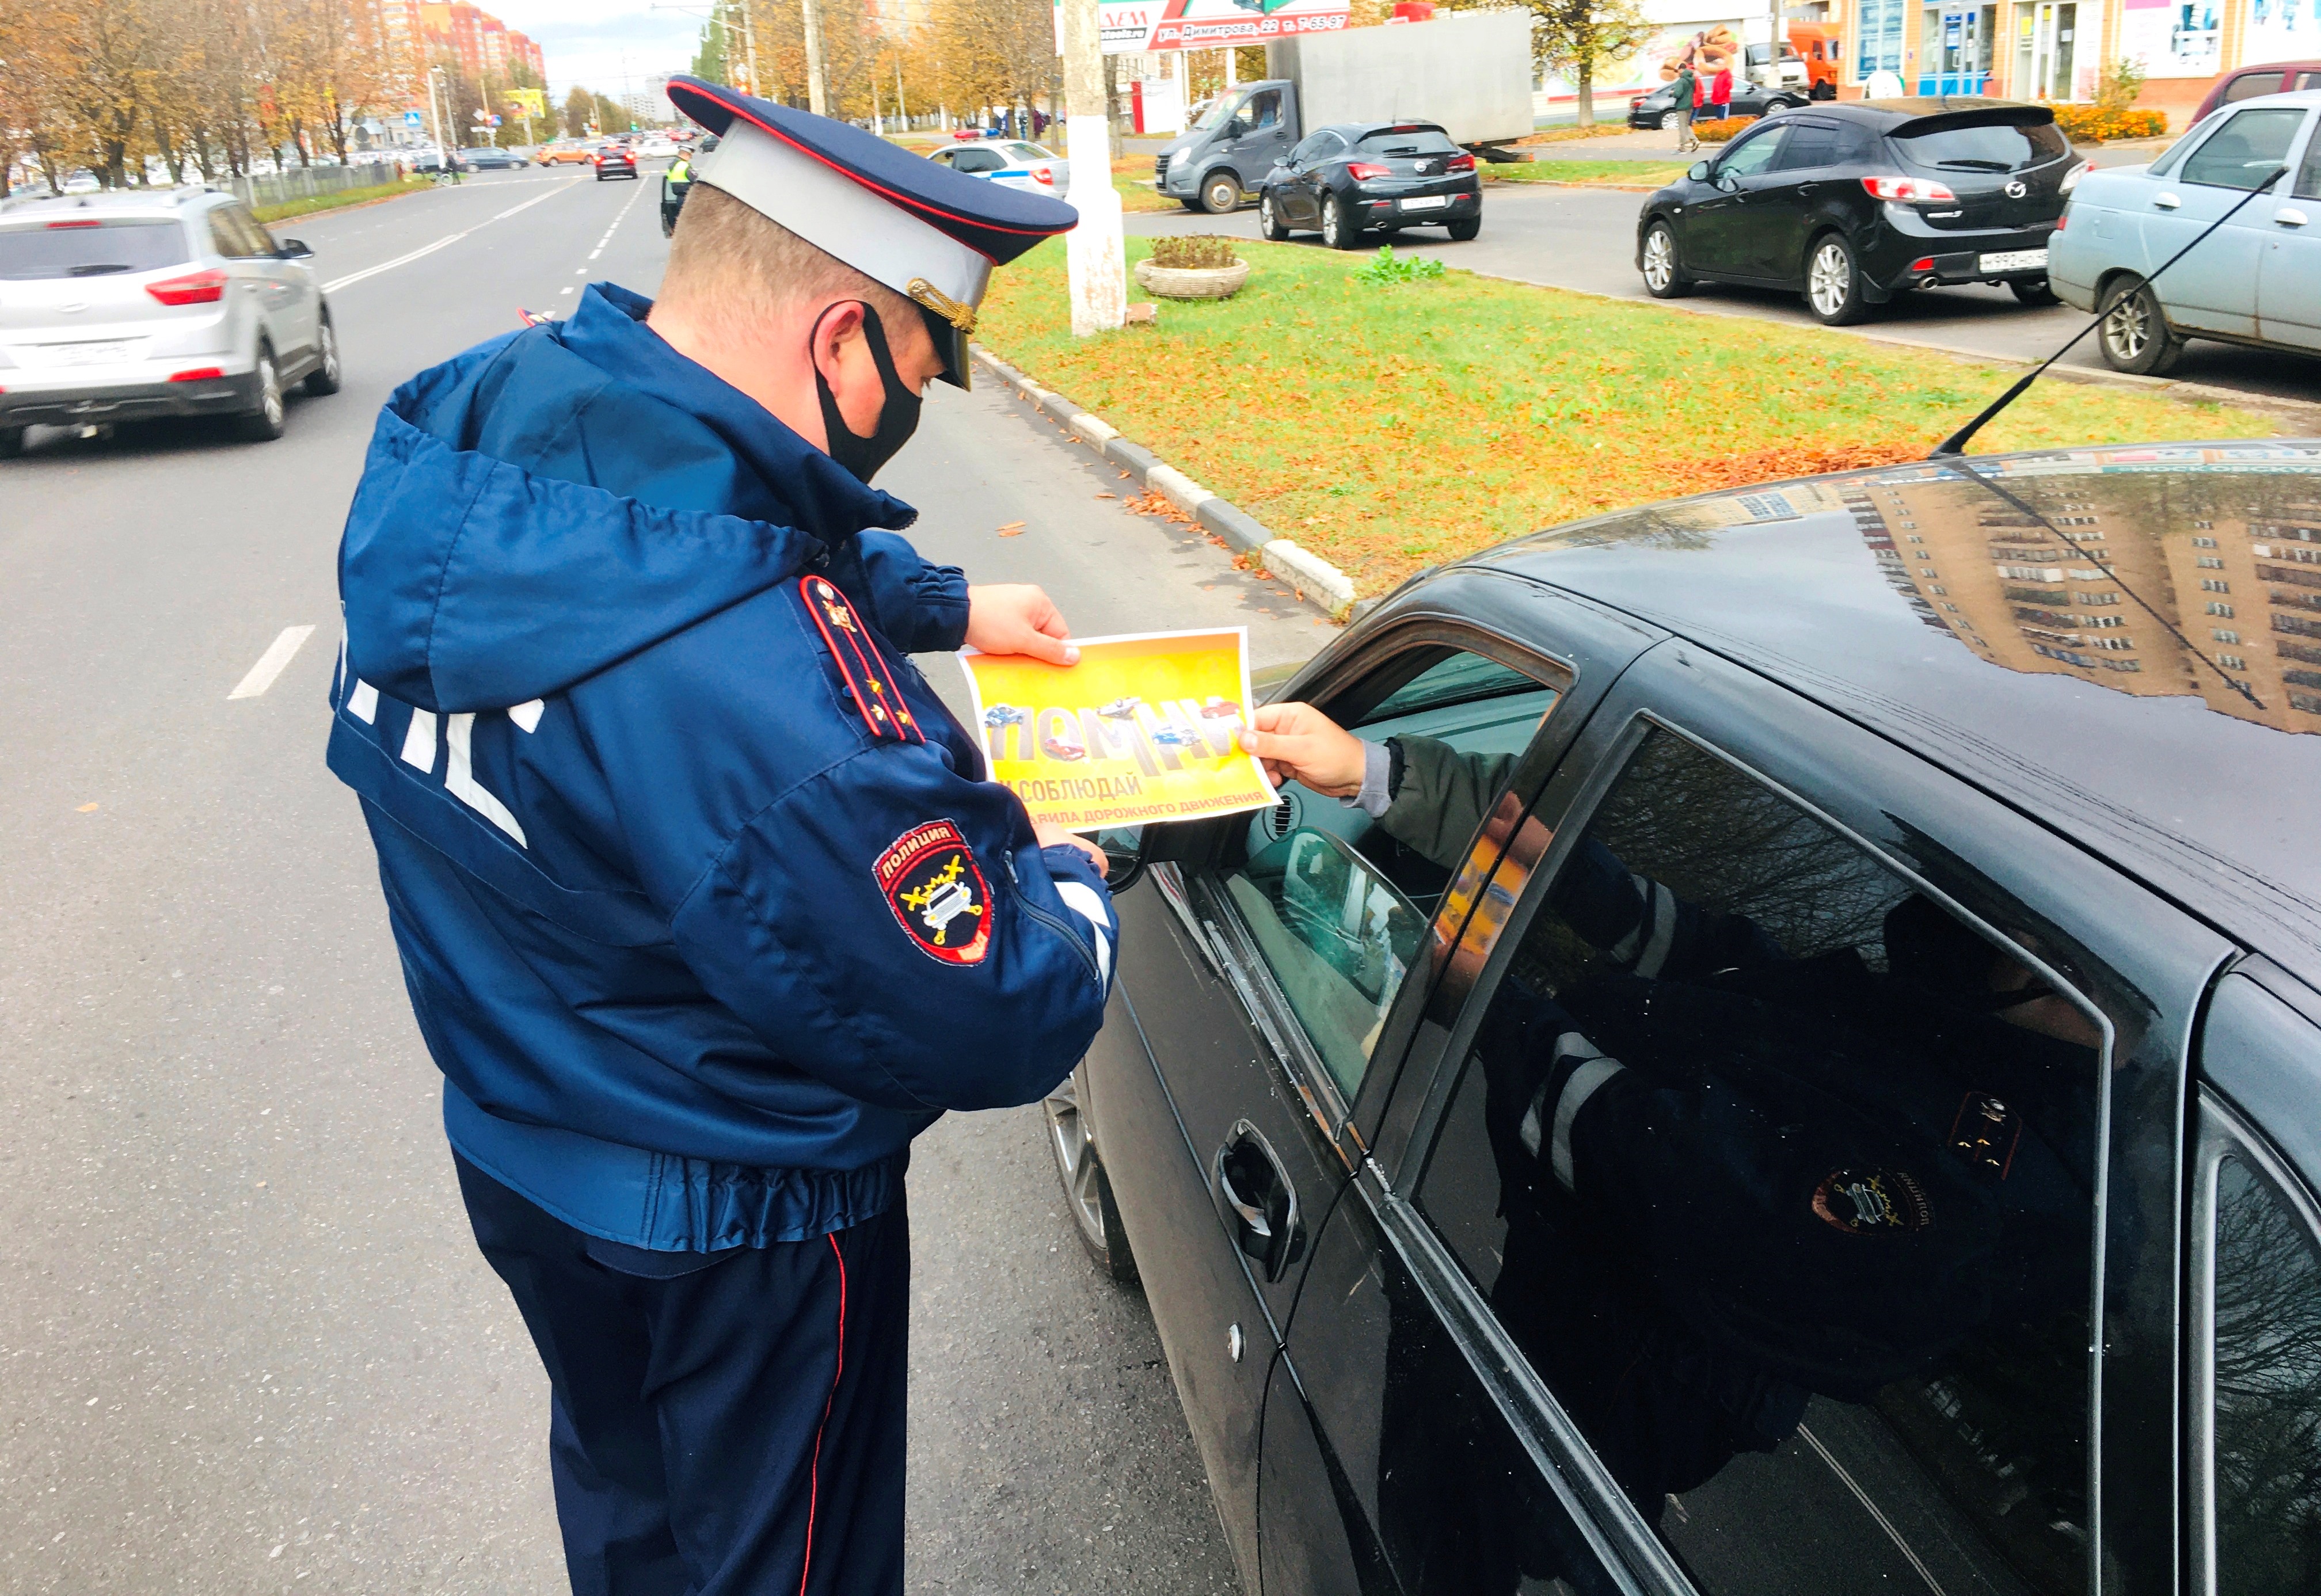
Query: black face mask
x=898, y=416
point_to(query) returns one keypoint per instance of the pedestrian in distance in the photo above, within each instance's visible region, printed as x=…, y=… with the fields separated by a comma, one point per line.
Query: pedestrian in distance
x=1720, y=93
x=1687, y=87
x=703, y=908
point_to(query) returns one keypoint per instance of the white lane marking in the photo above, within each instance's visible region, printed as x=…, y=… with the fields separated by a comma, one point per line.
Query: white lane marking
x=371, y=271
x=567, y=289
x=581, y=271
x=599, y=249
x=270, y=664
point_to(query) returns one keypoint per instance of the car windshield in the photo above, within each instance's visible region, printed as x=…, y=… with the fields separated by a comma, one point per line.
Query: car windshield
x=89, y=249
x=1410, y=141
x=1218, y=110
x=1990, y=147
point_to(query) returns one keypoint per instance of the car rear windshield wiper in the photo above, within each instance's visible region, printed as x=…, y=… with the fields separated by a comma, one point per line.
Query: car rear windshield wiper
x=96, y=270
x=1967, y=163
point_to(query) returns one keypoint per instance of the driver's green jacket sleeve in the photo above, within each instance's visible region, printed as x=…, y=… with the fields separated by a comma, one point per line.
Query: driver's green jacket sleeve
x=1443, y=797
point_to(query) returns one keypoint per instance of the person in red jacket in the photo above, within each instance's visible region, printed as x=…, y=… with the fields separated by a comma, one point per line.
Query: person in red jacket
x=1720, y=94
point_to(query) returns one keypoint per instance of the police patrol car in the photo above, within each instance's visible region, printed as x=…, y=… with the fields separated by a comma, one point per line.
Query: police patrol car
x=1012, y=164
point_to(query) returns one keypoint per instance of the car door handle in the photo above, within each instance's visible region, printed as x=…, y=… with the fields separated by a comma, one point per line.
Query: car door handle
x=1262, y=1204
x=2166, y=202
x=2289, y=216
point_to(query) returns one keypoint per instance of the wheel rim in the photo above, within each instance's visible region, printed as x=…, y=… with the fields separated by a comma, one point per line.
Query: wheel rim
x=269, y=391
x=1222, y=197
x=2127, y=327
x=1658, y=264
x=1330, y=223
x=1831, y=279
x=1076, y=1160
x=1265, y=212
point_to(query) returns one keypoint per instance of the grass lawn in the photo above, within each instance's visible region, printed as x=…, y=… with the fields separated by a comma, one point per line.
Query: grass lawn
x=339, y=201
x=1592, y=173
x=1132, y=175
x=1388, y=428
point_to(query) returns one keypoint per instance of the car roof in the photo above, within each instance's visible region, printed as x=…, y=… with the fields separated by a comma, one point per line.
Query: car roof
x=170, y=202
x=1363, y=130
x=2123, y=738
x=2296, y=96
x=1927, y=114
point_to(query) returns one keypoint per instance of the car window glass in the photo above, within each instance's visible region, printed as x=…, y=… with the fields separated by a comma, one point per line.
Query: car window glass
x=40, y=250
x=1335, y=902
x=1263, y=111
x=2268, y=1390
x=1028, y=152
x=1320, y=147
x=2308, y=175
x=2243, y=151
x=228, y=239
x=1990, y=147
x=253, y=232
x=1424, y=141
x=1809, y=144
x=2300, y=81
x=1755, y=154
x=1782, y=1176
x=976, y=160
x=2175, y=153
x=2249, y=84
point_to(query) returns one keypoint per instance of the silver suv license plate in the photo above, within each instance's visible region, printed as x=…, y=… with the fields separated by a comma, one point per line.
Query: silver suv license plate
x=99, y=353
x=2015, y=260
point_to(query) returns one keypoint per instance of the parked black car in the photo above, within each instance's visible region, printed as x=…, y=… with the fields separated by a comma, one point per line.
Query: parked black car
x=1378, y=177
x=1857, y=204
x=434, y=160
x=616, y=160
x=1809, y=1087
x=1749, y=99
x=489, y=158
x=676, y=182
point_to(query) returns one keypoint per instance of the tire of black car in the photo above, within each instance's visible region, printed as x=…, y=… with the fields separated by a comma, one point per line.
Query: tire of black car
x=12, y=442
x=1269, y=219
x=2036, y=291
x=1087, y=1191
x=265, y=421
x=1334, y=230
x=1464, y=230
x=1220, y=193
x=1825, y=91
x=323, y=380
x=2132, y=333
x=1833, y=286
x=1658, y=125
x=1662, y=263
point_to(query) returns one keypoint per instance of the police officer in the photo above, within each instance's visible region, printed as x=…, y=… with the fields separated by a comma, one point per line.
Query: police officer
x=703, y=906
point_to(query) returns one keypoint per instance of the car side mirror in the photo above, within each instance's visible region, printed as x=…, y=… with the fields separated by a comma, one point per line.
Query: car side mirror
x=1124, y=853
x=1700, y=173
x=292, y=250
x=1236, y=129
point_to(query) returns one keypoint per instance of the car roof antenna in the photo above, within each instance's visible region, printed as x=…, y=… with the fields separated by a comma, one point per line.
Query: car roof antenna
x=1955, y=444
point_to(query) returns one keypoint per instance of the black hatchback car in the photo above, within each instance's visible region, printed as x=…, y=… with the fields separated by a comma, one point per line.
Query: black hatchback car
x=1858, y=204
x=1378, y=177
x=1807, y=1088
x=1651, y=111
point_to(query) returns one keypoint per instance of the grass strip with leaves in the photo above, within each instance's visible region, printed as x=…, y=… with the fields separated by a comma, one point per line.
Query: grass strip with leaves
x=1390, y=427
x=1592, y=174
x=340, y=200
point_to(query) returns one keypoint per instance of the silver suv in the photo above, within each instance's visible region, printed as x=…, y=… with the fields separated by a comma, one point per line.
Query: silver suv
x=122, y=306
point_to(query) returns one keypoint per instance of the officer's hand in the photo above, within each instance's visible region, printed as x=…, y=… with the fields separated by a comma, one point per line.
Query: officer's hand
x=1051, y=835
x=1016, y=618
x=1299, y=742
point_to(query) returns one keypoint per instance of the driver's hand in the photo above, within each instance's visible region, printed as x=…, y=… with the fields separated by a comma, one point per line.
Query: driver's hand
x=1299, y=742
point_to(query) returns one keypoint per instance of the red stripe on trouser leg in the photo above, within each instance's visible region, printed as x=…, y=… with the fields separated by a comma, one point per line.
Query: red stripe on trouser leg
x=814, y=1477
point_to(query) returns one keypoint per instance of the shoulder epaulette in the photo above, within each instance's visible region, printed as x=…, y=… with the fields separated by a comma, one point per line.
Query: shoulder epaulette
x=869, y=680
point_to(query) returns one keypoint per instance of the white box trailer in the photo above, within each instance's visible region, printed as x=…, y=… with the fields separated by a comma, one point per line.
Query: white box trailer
x=1468, y=70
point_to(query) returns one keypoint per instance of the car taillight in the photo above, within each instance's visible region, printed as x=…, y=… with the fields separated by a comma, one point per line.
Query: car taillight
x=2071, y=178
x=199, y=374
x=2062, y=221
x=1924, y=263
x=1460, y=163
x=1044, y=174
x=1910, y=191
x=1363, y=171
x=202, y=287
x=54, y=226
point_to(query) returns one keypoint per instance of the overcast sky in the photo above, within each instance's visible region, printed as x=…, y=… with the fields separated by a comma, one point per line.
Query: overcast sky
x=585, y=41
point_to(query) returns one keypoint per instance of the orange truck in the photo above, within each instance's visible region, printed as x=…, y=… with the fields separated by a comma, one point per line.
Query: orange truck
x=1816, y=44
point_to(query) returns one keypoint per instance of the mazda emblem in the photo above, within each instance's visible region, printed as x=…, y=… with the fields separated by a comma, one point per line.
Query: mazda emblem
x=2017, y=189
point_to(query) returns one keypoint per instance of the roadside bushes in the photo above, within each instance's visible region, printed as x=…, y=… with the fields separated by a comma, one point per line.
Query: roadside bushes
x=2098, y=124
x=1721, y=129
x=1193, y=252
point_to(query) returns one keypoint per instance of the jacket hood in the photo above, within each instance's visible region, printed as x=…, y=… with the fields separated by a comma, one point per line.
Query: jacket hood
x=471, y=583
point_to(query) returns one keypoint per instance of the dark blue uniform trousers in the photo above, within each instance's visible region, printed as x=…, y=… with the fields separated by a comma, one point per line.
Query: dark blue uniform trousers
x=736, y=1429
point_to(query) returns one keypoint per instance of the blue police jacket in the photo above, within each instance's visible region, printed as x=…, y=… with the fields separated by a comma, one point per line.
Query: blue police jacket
x=703, y=907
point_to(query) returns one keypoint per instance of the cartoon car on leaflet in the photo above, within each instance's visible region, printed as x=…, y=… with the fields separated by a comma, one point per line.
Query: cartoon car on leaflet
x=1063, y=742
x=1002, y=714
x=1120, y=708
x=1219, y=709
x=1175, y=736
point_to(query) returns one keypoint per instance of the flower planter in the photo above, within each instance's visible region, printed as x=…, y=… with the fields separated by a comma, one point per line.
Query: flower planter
x=1192, y=281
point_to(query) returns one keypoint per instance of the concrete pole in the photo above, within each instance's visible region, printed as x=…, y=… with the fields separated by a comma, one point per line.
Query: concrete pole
x=1092, y=251
x=817, y=99
x=749, y=46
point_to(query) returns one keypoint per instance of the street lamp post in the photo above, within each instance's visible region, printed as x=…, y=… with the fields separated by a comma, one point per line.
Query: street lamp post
x=817, y=98
x=1092, y=251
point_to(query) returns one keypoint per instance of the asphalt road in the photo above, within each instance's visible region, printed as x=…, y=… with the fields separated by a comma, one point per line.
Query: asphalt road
x=1586, y=239
x=246, y=1343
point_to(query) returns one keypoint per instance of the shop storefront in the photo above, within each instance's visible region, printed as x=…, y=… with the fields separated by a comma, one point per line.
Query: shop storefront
x=1955, y=49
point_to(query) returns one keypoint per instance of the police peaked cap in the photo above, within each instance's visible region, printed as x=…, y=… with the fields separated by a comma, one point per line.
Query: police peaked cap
x=928, y=233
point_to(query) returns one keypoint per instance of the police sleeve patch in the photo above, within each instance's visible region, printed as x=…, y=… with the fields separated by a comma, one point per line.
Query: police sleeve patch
x=929, y=878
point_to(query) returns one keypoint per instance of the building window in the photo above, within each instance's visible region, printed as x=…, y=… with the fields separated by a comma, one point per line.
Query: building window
x=2222, y=636
x=2204, y=542
x=1916, y=539
x=2215, y=584
x=2104, y=620
x=2204, y=523
x=2231, y=662
x=2111, y=642
x=2209, y=562
x=2216, y=609
x=1941, y=590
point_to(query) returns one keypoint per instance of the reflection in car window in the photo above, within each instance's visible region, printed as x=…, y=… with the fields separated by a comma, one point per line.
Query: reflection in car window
x=1322, y=146
x=1753, y=155
x=1423, y=141
x=2246, y=149
x=2249, y=84
x=2268, y=1390
x=229, y=239
x=1335, y=902
x=1986, y=149
x=1265, y=110
x=27, y=253
x=2308, y=175
x=2184, y=146
x=1782, y=1176
x=253, y=232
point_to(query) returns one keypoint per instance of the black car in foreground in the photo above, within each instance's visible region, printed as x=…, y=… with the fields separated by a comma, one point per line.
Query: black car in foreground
x=1860, y=202
x=1373, y=177
x=1809, y=1089
x=1651, y=111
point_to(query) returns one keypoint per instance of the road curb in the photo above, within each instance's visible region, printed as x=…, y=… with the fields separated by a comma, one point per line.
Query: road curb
x=1315, y=579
